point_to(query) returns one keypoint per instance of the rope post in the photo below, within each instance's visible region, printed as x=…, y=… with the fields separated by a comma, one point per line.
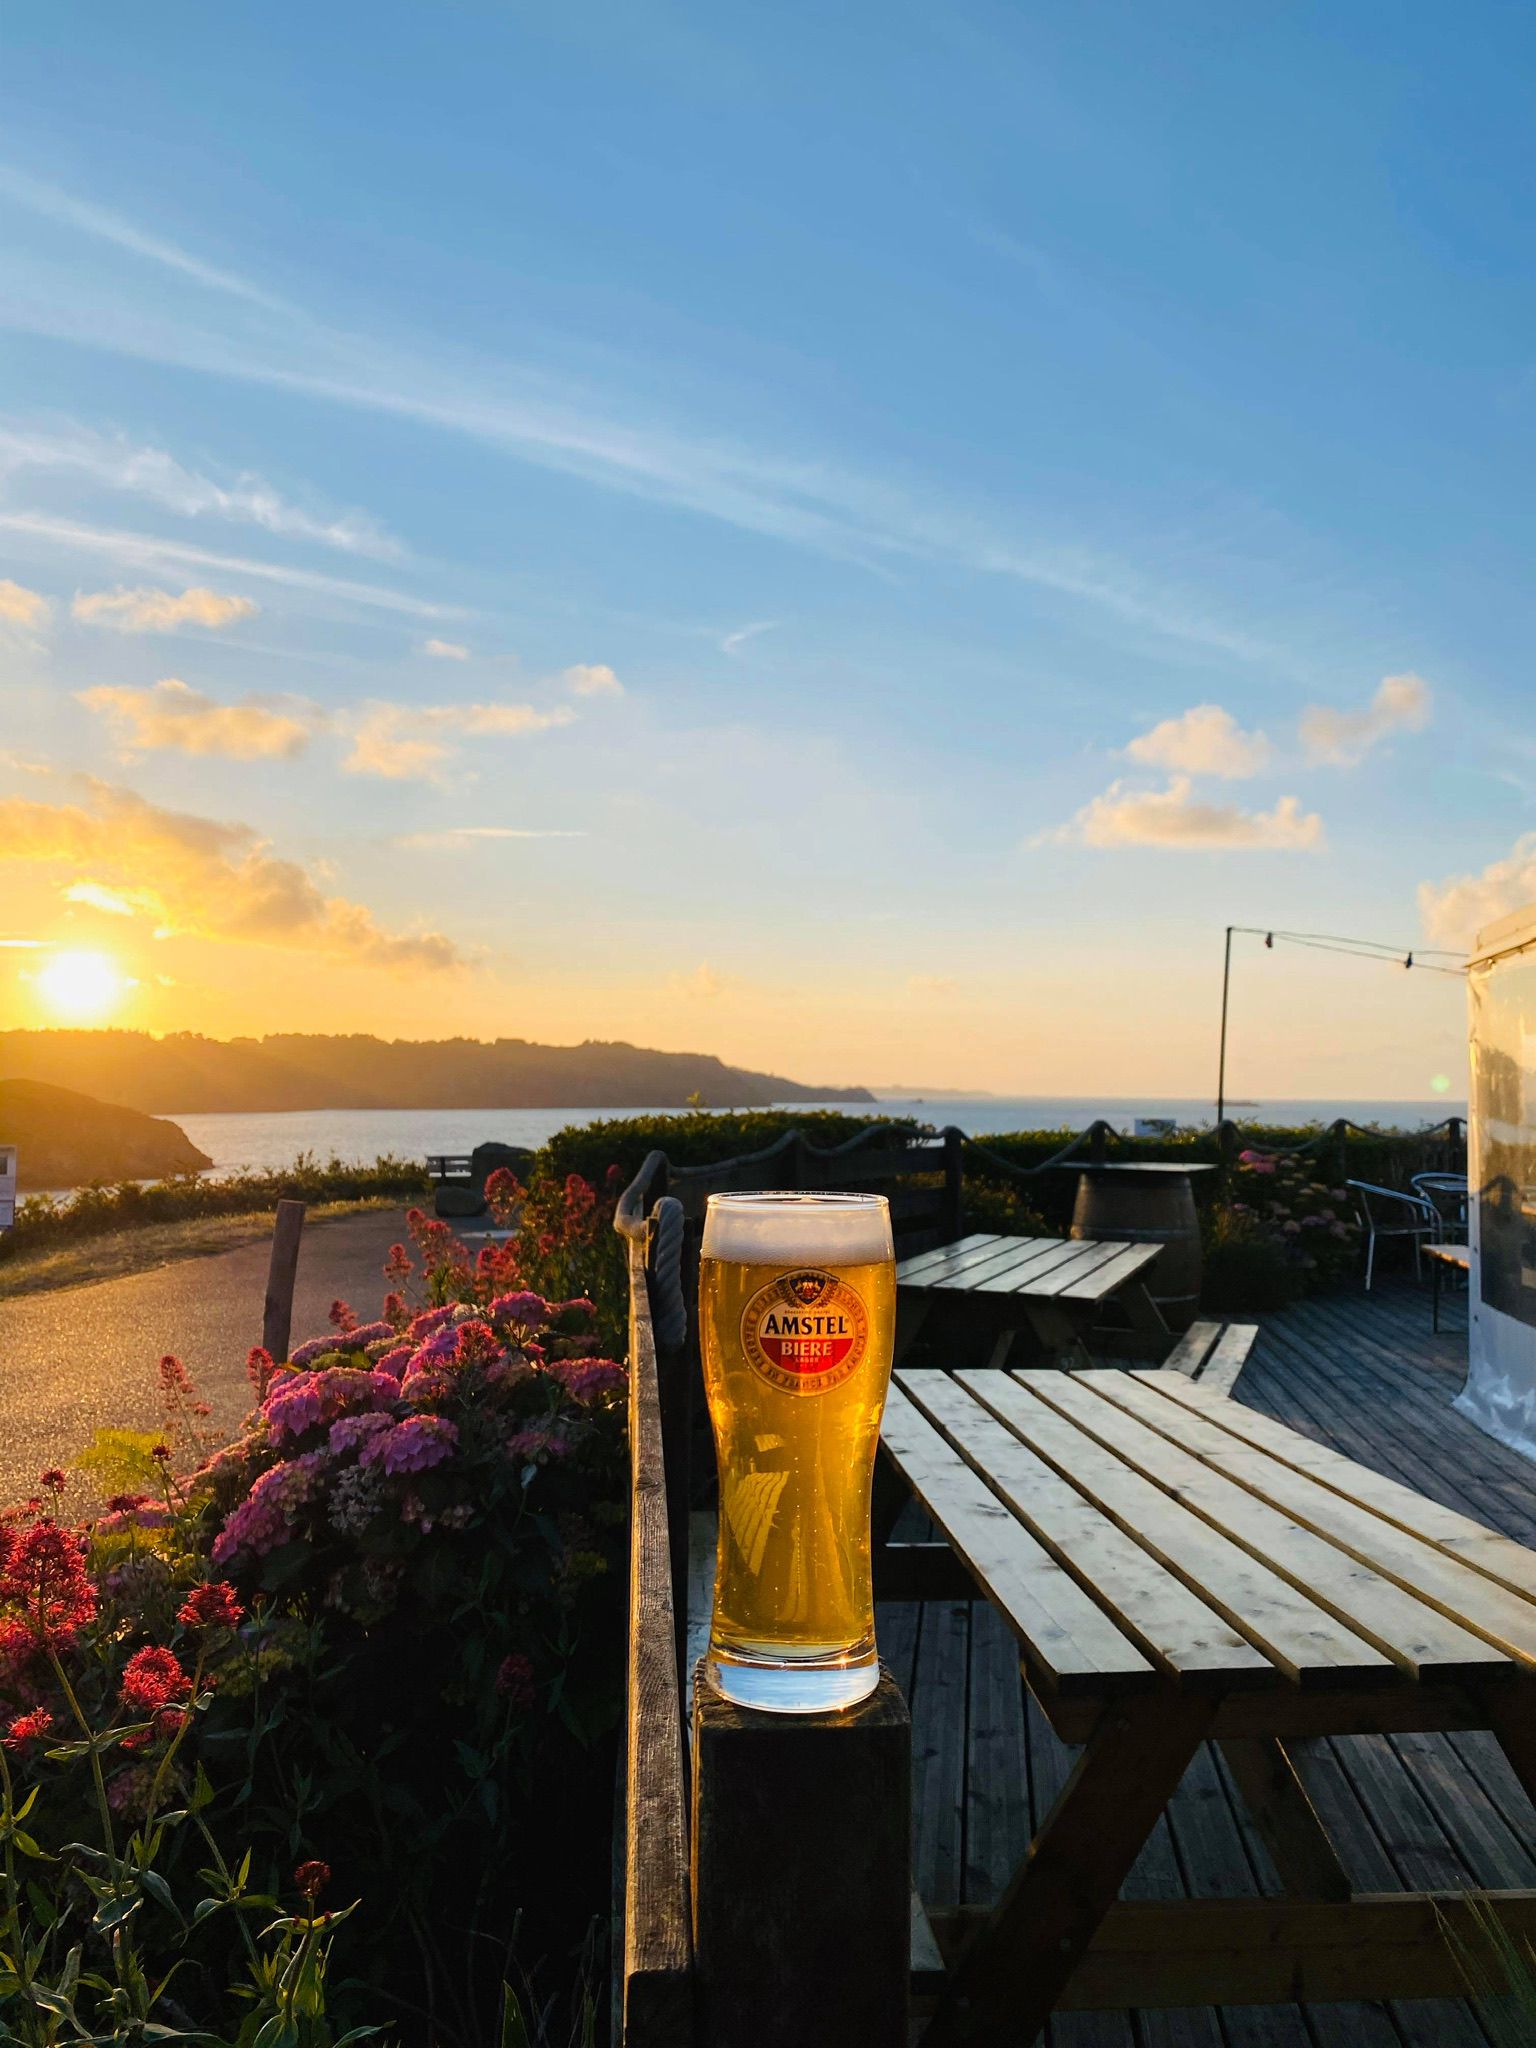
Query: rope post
x=277, y=1310
x=954, y=1181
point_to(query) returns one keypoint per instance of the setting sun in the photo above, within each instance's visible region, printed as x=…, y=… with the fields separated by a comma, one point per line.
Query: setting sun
x=82, y=985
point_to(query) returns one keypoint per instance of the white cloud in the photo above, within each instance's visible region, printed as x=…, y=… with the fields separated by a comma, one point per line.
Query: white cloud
x=205, y=878
x=1456, y=910
x=405, y=742
x=149, y=551
x=734, y=642
x=115, y=463
x=21, y=607
x=457, y=837
x=96, y=897
x=703, y=983
x=1173, y=817
x=1401, y=704
x=158, y=611
x=592, y=679
x=445, y=650
x=174, y=718
x=1205, y=740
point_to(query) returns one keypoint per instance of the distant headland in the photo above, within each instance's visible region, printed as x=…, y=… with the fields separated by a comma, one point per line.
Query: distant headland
x=63, y=1138
x=186, y=1073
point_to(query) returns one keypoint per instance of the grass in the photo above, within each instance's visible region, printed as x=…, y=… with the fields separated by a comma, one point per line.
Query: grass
x=111, y=1254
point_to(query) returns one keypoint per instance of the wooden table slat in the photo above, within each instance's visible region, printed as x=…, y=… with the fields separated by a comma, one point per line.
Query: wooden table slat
x=1416, y=1636
x=1308, y=1644
x=1048, y=1276
x=1457, y=1589
x=1125, y=1262
x=1008, y=1273
x=1069, y=1641
x=1176, y=1629
x=945, y=1257
x=1498, y=1557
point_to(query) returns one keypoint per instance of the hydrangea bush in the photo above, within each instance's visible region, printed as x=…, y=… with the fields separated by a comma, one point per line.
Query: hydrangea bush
x=1277, y=1232
x=378, y=1636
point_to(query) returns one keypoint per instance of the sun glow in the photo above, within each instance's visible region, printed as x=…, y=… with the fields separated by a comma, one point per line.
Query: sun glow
x=82, y=985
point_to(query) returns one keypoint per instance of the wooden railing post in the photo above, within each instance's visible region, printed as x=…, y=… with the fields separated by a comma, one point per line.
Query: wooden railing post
x=954, y=1182
x=802, y=1856
x=277, y=1310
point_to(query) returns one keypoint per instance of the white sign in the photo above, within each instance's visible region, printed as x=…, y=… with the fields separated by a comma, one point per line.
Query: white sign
x=7, y=1186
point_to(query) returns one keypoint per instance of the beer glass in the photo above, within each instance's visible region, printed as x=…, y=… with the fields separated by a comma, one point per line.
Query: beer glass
x=797, y=1307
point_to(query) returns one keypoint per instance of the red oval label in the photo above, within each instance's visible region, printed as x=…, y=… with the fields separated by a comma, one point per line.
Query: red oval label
x=805, y=1332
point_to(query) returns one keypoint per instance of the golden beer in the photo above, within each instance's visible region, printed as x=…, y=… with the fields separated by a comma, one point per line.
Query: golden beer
x=797, y=1307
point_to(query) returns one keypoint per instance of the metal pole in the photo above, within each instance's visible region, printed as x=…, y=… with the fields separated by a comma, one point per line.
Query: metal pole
x=1221, y=1072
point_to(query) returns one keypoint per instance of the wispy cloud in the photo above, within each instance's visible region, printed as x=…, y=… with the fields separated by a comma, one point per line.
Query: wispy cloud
x=407, y=742
x=732, y=643
x=174, y=718
x=146, y=551
x=1341, y=738
x=160, y=611
x=445, y=650
x=22, y=607
x=1205, y=740
x=813, y=504
x=205, y=878
x=1175, y=817
x=114, y=463
x=457, y=837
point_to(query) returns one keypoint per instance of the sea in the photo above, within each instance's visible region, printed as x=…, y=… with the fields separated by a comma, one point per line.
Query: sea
x=236, y=1143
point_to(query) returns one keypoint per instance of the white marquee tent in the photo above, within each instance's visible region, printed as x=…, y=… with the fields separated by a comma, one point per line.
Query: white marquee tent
x=1500, y=1394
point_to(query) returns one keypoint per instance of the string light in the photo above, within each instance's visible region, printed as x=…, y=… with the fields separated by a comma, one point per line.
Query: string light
x=1427, y=959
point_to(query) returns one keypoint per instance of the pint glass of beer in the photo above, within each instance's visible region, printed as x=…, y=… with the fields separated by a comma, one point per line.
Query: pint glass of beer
x=797, y=1305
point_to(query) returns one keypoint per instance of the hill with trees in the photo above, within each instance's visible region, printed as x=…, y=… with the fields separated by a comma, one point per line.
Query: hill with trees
x=187, y=1074
x=63, y=1138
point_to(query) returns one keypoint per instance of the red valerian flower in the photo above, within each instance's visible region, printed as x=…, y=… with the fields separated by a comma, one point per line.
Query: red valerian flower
x=177, y=1389
x=27, y=1729
x=343, y=1316
x=45, y=1581
x=211, y=1606
x=514, y=1680
x=161, y=1453
x=398, y=1265
x=53, y=1480
x=129, y=1503
x=152, y=1679
x=312, y=1879
x=259, y=1368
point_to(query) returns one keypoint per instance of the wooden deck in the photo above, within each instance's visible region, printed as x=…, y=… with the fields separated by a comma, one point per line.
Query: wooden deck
x=1365, y=1374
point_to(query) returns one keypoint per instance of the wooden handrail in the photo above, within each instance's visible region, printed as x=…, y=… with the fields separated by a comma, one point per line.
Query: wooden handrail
x=658, y=1933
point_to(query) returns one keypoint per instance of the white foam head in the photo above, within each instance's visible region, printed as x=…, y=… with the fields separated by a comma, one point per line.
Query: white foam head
x=796, y=1230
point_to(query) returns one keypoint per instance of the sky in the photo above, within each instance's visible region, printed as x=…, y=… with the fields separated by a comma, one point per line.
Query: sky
x=857, y=540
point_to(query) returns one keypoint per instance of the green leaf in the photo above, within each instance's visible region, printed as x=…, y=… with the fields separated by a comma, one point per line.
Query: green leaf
x=202, y=1791
x=160, y=1892
x=514, y=2028
x=115, y=1910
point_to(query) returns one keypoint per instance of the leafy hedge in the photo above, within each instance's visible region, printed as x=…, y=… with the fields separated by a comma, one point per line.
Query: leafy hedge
x=93, y=1211
x=692, y=1138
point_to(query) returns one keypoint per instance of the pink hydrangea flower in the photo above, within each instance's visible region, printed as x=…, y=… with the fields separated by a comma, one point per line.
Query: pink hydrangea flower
x=357, y=1432
x=393, y=1362
x=526, y=1311
x=316, y=1347
x=265, y=1518
x=418, y=1443
x=304, y=1399
x=587, y=1379
x=538, y=1442
x=422, y=1388
x=369, y=1333
x=429, y=1321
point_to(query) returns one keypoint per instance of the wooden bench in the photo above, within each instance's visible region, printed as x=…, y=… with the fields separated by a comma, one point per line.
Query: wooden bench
x=987, y=1290
x=1213, y=1353
x=1442, y=1258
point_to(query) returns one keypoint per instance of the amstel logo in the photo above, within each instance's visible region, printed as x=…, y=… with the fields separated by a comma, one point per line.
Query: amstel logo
x=805, y=1333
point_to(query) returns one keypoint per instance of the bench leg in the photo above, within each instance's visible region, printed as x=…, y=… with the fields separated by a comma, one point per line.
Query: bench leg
x=1007, y=1982
x=910, y=1318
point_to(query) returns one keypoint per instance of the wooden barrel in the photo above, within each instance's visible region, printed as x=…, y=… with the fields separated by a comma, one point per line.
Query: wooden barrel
x=1148, y=1204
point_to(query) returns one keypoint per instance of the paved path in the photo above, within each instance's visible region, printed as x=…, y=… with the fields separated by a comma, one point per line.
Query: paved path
x=81, y=1358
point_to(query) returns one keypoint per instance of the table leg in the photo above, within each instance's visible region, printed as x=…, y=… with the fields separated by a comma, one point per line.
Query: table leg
x=1007, y=1982
x=911, y=1314
x=1434, y=1294
x=1283, y=1812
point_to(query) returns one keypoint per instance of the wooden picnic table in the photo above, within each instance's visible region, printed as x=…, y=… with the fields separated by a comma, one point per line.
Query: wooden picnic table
x=990, y=1287
x=1178, y=1567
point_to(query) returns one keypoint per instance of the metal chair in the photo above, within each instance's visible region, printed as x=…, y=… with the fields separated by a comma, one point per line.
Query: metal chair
x=1446, y=1194
x=1390, y=1212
